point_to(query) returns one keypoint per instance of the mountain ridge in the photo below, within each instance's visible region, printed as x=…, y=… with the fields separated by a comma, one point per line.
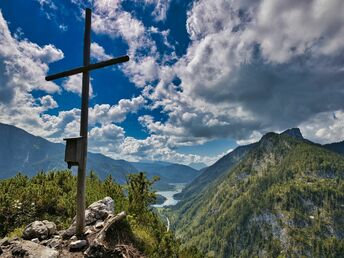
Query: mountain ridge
x=269, y=203
x=211, y=173
x=23, y=152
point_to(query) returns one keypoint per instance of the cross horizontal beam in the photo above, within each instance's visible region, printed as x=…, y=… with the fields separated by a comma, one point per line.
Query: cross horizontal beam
x=87, y=68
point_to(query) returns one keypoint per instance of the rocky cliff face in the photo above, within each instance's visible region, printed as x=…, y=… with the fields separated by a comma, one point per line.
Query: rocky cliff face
x=294, y=132
x=106, y=235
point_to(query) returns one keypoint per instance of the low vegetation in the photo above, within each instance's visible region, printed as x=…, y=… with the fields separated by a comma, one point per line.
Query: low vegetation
x=51, y=196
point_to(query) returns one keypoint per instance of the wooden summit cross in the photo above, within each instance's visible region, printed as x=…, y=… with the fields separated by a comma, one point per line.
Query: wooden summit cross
x=76, y=148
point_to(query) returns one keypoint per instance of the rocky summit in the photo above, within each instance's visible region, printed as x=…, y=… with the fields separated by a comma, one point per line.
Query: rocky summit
x=294, y=132
x=106, y=235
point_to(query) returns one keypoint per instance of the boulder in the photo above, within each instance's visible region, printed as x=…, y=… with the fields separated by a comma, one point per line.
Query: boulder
x=77, y=245
x=114, y=240
x=39, y=229
x=69, y=232
x=98, y=210
x=50, y=226
x=25, y=248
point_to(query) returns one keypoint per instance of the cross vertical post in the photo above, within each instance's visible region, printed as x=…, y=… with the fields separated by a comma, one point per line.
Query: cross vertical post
x=81, y=180
x=76, y=148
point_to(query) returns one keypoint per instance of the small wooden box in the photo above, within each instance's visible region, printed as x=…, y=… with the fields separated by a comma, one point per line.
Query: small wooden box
x=73, y=153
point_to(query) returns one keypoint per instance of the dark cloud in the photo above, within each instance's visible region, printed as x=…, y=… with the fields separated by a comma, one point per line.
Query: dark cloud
x=285, y=96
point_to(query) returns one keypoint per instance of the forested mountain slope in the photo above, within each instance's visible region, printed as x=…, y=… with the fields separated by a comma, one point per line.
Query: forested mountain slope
x=215, y=171
x=223, y=165
x=285, y=197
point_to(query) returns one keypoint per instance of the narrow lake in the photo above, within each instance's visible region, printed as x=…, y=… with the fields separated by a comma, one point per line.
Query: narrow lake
x=169, y=195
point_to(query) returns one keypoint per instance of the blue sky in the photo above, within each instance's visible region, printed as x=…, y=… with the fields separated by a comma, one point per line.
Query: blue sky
x=204, y=76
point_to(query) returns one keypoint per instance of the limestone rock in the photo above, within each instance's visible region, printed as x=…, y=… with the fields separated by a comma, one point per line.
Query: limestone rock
x=36, y=229
x=113, y=240
x=77, y=245
x=54, y=242
x=69, y=232
x=99, y=224
x=99, y=210
x=35, y=240
x=50, y=226
x=44, y=242
x=107, y=238
x=89, y=231
x=39, y=229
x=57, y=237
x=25, y=248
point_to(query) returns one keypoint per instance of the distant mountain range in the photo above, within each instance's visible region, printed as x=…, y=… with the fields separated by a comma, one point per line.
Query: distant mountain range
x=168, y=172
x=28, y=154
x=280, y=197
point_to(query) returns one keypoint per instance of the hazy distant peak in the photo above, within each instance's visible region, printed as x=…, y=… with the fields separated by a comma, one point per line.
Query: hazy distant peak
x=293, y=132
x=197, y=165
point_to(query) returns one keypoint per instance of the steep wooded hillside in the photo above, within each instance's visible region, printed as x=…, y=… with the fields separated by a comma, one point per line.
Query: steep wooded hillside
x=285, y=197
